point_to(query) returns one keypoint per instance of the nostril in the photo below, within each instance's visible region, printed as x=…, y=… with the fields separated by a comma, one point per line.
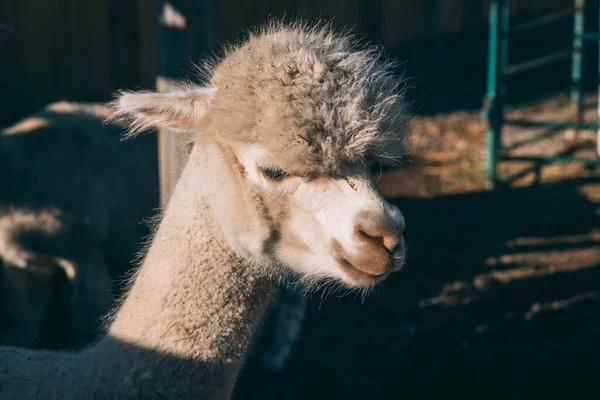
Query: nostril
x=386, y=239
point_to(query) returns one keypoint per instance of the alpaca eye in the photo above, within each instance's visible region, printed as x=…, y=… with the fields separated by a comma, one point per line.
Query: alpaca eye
x=273, y=173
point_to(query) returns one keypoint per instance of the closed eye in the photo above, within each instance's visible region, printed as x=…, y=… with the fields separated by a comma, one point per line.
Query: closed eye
x=273, y=173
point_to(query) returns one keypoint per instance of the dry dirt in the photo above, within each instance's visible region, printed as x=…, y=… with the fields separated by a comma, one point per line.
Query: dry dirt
x=501, y=295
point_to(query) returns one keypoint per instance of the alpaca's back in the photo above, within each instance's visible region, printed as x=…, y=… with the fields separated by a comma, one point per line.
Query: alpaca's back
x=66, y=158
x=75, y=182
x=72, y=184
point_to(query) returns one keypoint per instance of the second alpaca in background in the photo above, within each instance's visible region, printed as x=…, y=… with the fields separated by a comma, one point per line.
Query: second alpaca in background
x=74, y=199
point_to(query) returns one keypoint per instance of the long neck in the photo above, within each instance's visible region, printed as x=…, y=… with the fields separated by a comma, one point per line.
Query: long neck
x=188, y=318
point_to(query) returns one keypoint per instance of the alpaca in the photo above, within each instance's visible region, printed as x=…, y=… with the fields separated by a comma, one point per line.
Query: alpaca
x=276, y=182
x=67, y=202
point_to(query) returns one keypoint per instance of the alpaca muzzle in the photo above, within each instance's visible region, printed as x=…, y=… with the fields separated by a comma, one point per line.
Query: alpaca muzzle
x=372, y=262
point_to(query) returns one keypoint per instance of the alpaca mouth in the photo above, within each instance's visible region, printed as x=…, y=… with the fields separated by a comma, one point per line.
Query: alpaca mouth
x=369, y=268
x=360, y=275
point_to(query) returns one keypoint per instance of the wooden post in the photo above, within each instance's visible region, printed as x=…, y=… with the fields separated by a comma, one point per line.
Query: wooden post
x=172, y=153
x=172, y=24
x=173, y=59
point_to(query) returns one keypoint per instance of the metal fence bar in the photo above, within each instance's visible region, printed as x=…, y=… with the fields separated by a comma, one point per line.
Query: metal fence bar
x=577, y=64
x=557, y=125
x=540, y=21
x=539, y=62
x=554, y=159
x=493, y=111
x=489, y=104
x=498, y=72
x=536, y=99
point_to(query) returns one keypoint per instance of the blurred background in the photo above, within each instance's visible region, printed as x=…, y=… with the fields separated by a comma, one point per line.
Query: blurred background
x=85, y=50
x=501, y=296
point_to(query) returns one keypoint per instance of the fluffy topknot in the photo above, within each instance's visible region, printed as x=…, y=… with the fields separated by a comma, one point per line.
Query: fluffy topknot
x=315, y=96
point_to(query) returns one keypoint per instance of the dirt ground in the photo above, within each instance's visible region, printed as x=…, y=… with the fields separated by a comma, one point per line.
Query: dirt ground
x=501, y=294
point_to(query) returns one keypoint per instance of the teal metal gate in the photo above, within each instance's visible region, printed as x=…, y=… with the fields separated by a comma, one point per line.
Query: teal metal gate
x=499, y=70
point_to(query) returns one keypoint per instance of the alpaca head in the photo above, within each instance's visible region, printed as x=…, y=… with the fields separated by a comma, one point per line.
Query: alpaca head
x=297, y=115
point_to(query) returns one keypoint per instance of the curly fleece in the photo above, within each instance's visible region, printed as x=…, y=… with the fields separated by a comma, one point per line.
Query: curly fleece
x=310, y=93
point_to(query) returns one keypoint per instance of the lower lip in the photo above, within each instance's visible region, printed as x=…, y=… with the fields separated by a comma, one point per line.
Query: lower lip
x=361, y=275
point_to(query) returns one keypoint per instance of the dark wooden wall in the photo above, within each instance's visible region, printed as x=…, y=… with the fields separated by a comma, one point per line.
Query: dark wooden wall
x=87, y=49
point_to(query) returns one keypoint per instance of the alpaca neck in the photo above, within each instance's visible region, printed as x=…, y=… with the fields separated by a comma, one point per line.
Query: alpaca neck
x=194, y=304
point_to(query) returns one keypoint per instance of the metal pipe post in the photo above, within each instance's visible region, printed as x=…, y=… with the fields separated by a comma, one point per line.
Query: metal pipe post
x=496, y=85
x=577, y=64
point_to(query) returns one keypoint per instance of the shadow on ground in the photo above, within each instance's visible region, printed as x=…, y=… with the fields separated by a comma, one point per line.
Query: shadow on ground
x=501, y=300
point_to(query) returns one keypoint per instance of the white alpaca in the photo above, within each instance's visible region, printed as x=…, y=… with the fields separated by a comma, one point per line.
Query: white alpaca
x=276, y=181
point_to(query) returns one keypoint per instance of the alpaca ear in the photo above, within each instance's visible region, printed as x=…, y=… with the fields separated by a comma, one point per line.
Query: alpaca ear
x=184, y=110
